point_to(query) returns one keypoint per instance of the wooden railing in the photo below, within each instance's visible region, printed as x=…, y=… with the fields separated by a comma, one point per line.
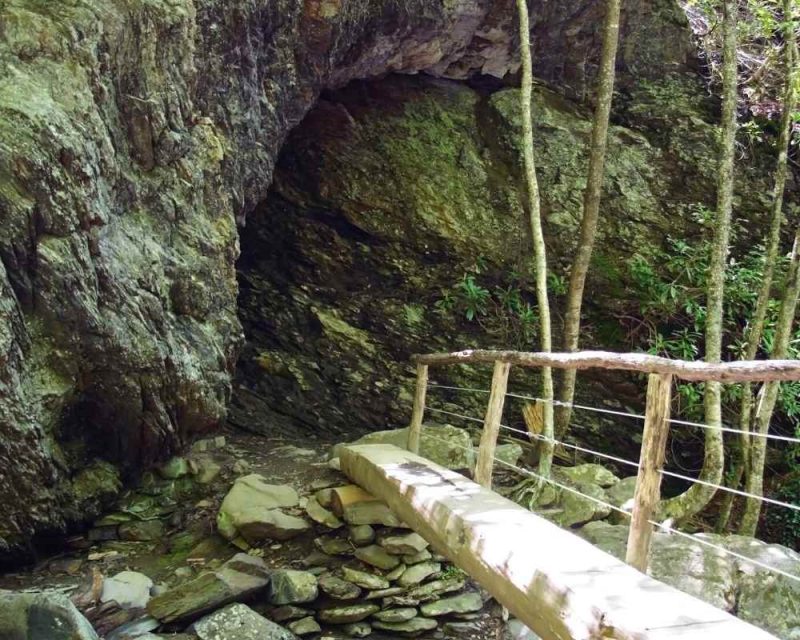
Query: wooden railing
x=661, y=372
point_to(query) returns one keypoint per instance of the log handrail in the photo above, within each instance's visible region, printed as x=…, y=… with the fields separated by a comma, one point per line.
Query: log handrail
x=738, y=371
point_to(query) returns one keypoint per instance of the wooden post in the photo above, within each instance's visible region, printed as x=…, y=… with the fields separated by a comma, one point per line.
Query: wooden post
x=415, y=429
x=491, y=424
x=651, y=461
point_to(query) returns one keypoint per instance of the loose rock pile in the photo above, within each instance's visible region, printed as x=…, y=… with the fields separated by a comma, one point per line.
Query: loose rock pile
x=367, y=572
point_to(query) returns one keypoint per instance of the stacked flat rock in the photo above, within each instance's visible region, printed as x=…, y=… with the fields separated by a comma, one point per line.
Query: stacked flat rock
x=373, y=574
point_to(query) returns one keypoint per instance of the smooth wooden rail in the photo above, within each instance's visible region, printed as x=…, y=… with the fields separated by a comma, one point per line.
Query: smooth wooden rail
x=559, y=585
x=740, y=371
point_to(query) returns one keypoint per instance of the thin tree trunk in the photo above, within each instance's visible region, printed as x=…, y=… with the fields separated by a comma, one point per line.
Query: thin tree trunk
x=540, y=255
x=769, y=394
x=698, y=495
x=755, y=330
x=591, y=207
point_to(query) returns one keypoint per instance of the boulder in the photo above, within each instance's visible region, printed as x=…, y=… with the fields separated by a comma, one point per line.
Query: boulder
x=574, y=510
x=395, y=573
x=45, y=616
x=292, y=587
x=141, y=530
x=587, y=474
x=239, y=622
x=239, y=577
x=509, y=452
x=288, y=612
x=333, y=546
x=204, y=469
x=416, y=558
x=358, y=507
x=372, y=512
x=685, y=564
x=446, y=445
x=251, y=506
x=765, y=598
x=174, y=468
x=621, y=495
x=258, y=525
x=129, y=589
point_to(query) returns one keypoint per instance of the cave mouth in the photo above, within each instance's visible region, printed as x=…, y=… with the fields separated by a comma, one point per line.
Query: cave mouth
x=326, y=279
x=384, y=198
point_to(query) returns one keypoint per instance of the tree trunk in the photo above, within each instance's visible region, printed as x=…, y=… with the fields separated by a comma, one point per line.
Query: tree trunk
x=756, y=328
x=769, y=394
x=540, y=255
x=698, y=496
x=591, y=208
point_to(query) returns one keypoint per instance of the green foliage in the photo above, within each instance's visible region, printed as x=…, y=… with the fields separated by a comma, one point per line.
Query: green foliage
x=671, y=317
x=502, y=310
x=413, y=314
x=787, y=521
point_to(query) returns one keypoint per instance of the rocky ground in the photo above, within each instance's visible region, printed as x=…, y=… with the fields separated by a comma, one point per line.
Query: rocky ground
x=247, y=537
x=236, y=540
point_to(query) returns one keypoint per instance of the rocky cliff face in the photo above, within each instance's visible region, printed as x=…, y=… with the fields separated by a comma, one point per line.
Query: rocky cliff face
x=134, y=136
x=393, y=195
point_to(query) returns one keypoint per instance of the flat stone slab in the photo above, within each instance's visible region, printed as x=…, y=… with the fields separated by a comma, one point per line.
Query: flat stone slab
x=377, y=556
x=337, y=588
x=409, y=628
x=292, y=587
x=405, y=544
x=418, y=572
x=364, y=579
x=129, y=589
x=347, y=614
x=239, y=622
x=239, y=577
x=463, y=603
x=248, y=500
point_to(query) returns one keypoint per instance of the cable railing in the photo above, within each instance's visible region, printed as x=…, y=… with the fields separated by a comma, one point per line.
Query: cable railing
x=663, y=526
x=657, y=421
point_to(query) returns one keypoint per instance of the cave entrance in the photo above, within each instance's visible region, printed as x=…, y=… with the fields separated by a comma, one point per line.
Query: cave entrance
x=382, y=198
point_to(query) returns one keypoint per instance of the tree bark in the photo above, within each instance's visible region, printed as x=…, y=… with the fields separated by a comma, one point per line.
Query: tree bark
x=755, y=330
x=769, y=394
x=539, y=249
x=698, y=496
x=591, y=208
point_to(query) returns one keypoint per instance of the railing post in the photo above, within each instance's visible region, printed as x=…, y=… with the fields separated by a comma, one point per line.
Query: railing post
x=491, y=424
x=651, y=462
x=415, y=428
